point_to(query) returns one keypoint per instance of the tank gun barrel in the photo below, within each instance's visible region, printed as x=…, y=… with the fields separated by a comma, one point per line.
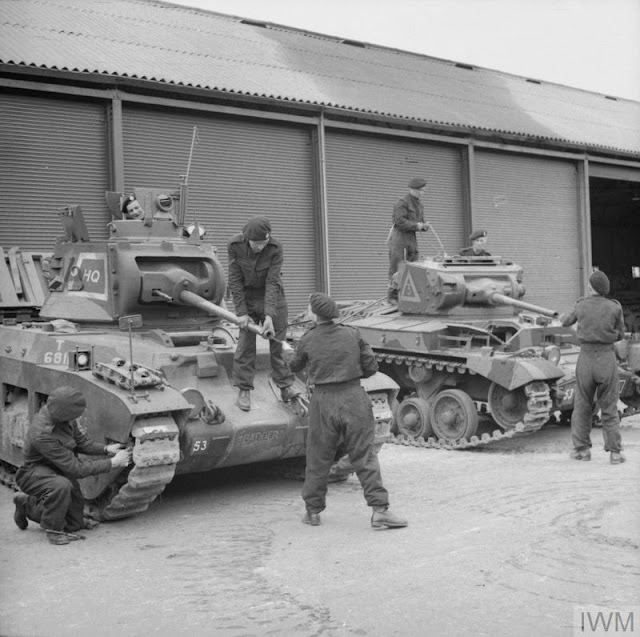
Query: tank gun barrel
x=197, y=301
x=497, y=298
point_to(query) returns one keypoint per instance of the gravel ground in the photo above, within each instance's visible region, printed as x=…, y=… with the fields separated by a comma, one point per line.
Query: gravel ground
x=506, y=540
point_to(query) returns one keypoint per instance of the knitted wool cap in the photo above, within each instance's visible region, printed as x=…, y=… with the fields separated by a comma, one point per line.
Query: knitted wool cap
x=323, y=306
x=477, y=234
x=600, y=282
x=417, y=182
x=66, y=403
x=257, y=229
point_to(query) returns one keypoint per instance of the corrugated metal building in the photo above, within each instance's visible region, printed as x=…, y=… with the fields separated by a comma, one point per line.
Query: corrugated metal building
x=319, y=134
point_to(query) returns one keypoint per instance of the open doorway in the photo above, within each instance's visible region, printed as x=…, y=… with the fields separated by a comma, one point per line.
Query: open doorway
x=615, y=241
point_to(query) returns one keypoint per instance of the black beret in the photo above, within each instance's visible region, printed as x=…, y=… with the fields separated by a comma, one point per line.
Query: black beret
x=257, y=229
x=66, y=403
x=323, y=306
x=599, y=282
x=417, y=182
x=126, y=202
x=476, y=234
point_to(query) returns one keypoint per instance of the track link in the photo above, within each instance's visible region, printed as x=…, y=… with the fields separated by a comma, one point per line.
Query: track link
x=155, y=455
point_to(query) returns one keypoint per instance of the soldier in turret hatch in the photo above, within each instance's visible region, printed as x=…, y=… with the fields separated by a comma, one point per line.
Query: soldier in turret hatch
x=49, y=476
x=600, y=325
x=478, y=240
x=131, y=208
x=255, y=264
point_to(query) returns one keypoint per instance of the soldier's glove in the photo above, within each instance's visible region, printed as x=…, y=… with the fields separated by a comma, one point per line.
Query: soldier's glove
x=267, y=327
x=243, y=321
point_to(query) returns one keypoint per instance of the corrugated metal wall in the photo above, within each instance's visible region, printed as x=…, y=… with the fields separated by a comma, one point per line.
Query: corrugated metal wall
x=53, y=152
x=529, y=206
x=366, y=175
x=240, y=168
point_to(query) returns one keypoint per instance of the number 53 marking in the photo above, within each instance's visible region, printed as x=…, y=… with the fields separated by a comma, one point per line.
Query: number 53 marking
x=199, y=445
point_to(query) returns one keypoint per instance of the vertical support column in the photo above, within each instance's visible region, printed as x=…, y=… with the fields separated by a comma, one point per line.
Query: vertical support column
x=323, y=279
x=584, y=224
x=116, y=145
x=468, y=184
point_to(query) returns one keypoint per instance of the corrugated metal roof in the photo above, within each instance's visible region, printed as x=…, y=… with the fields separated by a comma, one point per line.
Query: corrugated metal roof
x=166, y=43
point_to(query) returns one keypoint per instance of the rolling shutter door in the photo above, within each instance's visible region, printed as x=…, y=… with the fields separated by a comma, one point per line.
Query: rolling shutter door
x=366, y=176
x=240, y=168
x=53, y=153
x=529, y=207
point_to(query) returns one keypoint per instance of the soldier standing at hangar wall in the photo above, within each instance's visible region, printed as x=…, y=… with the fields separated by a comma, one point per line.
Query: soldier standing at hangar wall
x=408, y=218
x=600, y=325
x=255, y=265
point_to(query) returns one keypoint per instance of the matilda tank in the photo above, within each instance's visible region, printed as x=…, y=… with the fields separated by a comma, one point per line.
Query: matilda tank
x=136, y=323
x=466, y=349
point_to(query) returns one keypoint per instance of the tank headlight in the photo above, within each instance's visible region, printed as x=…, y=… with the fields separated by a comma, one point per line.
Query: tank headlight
x=552, y=354
x=83, y=360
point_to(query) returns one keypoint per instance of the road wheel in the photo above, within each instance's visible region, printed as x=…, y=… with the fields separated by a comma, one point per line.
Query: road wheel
x=412, y=418
x=508, y=407
x=453, y=415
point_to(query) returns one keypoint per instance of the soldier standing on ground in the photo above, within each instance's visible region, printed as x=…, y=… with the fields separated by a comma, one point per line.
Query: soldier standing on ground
x=336, y=357
x=478, y=242
x=600, y=325
x=255, y=264
x=408, y=218
x=49, y=476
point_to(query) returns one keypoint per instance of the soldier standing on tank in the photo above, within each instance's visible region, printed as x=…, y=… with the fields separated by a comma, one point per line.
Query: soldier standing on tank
x=49, y=476
x=255, y=264
x=336, y=357
x=408, y=218
x=600, y=325
x=478, y=240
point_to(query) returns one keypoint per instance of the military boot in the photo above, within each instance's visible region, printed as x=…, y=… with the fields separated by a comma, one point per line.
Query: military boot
x=616, y=458
x=581, y=454
x=244, y=400
x=312, y=519
x=20, y=515
x=58, y=538
x=383, y=518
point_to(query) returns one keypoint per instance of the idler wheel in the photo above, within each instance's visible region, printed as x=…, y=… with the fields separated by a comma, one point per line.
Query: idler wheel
x=454, y=415
x=413, y=419
x=508, y=407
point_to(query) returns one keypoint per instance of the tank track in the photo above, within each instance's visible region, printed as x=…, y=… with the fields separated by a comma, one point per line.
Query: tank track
x=155, y=455
x=539, y=407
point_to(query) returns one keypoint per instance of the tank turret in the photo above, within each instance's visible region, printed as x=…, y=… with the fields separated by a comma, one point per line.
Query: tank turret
x=464, y=287
x=144, y=263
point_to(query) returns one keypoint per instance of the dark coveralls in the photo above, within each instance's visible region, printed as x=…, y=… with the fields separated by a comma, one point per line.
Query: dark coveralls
x=468, y=252
x=403, y=245
x=256, y=287
x=49, y=475
x=600, y=324
x=336, y=357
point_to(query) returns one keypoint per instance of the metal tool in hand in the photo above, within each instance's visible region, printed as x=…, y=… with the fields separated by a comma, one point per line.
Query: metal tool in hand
x=197, y=301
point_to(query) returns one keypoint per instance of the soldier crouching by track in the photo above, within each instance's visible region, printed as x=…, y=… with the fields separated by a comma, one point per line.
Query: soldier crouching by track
x=600, y=325
x=336, y=357
x=49, y=477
